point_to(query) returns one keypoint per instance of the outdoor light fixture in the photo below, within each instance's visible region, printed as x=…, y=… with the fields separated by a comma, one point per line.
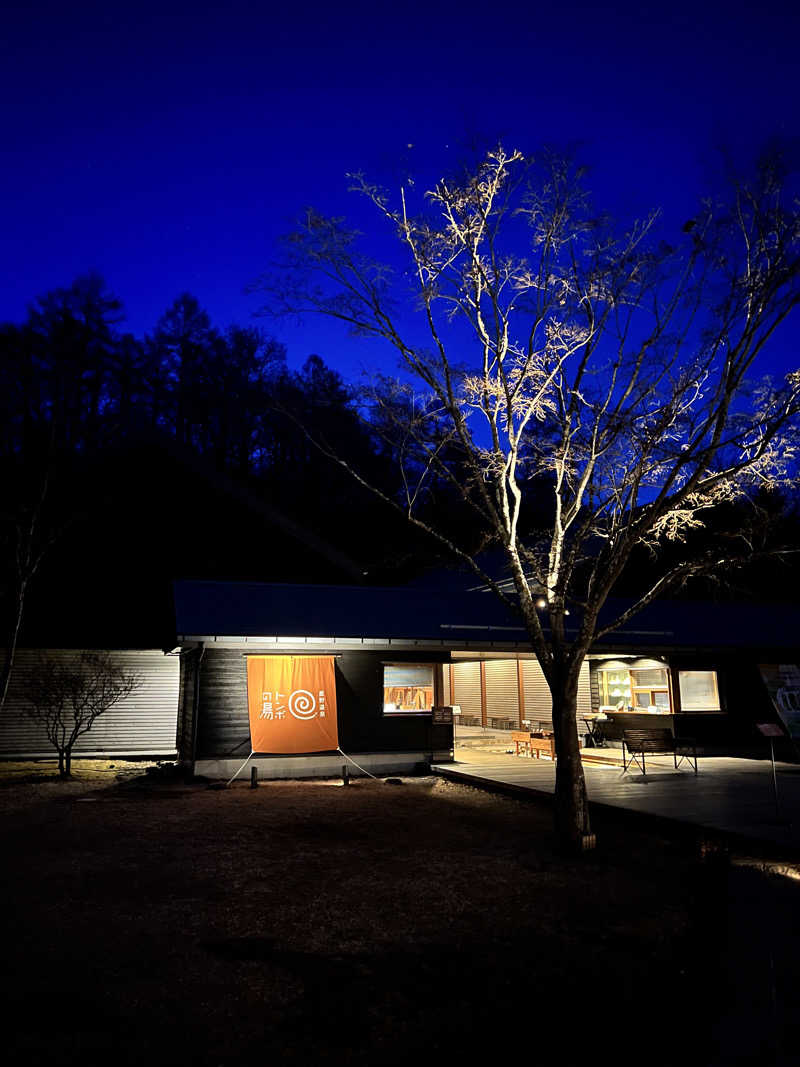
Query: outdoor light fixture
x=541, y=604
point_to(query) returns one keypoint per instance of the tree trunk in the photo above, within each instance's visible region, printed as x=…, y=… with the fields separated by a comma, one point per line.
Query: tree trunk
x=65, y=762
x=11, y=649
x=571, y=813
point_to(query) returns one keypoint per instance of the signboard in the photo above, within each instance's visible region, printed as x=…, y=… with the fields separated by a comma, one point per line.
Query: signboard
x=783, y=682
x=292, y=704
x=442, y=715
x=769, y=729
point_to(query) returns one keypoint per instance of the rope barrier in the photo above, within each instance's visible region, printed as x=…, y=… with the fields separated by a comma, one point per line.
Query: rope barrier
x=362, y=769
x=252, y=752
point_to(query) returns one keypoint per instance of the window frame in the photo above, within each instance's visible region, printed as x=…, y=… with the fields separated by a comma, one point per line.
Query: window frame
x=693, y=706
x=651, y=690
x=405, y=711
x=605, y=671
x=632, y=689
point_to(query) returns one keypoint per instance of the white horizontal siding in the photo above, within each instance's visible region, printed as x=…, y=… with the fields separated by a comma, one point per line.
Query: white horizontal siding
x=467, y=689
x=143, y=724
x=502, y=690
x=538, y=701
x=584, y=693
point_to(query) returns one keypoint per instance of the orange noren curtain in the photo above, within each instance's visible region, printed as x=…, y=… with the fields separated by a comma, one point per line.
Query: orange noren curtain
x=292, y=704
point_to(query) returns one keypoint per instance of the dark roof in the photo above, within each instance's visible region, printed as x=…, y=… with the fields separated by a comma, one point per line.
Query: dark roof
x=206, y=609
x=707, y=624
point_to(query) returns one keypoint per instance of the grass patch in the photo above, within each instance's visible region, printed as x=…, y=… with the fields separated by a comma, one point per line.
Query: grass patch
x=309, y=922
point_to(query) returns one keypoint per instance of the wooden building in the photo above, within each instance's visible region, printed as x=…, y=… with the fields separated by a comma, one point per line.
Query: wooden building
x=395, y=653
x=392, y=655
x=387, y=675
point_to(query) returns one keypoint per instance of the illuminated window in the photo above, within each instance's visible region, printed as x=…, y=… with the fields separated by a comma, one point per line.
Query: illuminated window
x=407, y=689
x=699, y=690
x=650, y=689
x=616, y=686
x=637, y=689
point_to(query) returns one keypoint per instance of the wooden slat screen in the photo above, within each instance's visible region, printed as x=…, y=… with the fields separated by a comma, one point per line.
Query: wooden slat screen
x=502, y=696
x=538, y=703
x=467, y=690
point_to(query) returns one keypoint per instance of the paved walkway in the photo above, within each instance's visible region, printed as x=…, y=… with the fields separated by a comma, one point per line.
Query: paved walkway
x=732, y=795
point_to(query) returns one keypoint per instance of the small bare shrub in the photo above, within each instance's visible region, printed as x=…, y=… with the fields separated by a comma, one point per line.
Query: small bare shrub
x=65, y=697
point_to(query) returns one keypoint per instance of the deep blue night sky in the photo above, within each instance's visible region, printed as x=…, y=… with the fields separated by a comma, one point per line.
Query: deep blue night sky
x=168, y=145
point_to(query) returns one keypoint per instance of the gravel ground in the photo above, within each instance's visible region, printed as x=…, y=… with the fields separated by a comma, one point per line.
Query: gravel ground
x=152, y=920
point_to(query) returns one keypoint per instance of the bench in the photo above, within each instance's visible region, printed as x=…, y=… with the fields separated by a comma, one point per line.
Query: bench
x=534, y=744
x=501, y=723
x=544, y=744
x=637, y=744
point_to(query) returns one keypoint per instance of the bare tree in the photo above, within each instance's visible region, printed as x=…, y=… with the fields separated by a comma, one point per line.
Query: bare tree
x=26, y=536
x=612, y=368
x=66, y=696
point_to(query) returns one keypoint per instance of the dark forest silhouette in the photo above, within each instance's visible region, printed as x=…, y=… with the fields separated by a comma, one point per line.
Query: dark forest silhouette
x=73, y=385
x=129, y=461
x=69, y=373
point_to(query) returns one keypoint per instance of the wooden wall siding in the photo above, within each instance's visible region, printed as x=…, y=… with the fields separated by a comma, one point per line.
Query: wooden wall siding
x=184, y=709
x=502, y=693
x=224, y=728
x=594, y=687
x=145, y=724
x=467, y=690
x=186, y=701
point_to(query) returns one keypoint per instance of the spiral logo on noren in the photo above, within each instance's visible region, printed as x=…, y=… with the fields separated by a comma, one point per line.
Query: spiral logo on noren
x=302, y=704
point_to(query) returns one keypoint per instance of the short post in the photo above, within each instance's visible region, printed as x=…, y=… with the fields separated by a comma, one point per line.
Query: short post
x=345, y=775
x=456, y=715
x=254, y=777
x=772, y=730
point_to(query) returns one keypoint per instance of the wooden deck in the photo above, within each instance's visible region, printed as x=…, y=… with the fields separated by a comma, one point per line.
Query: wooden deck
x=734, y=796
